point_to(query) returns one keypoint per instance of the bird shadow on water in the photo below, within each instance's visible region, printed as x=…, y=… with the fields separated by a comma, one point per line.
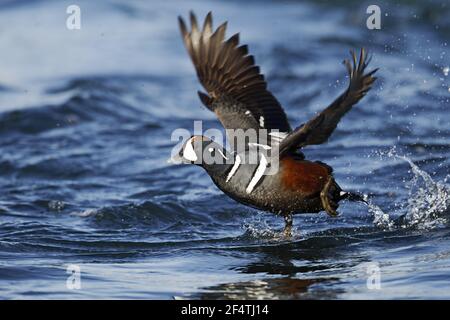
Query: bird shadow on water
x=313, y=265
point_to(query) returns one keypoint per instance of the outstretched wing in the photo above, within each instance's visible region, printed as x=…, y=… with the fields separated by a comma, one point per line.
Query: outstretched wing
x=236, y=90
x=319, y=129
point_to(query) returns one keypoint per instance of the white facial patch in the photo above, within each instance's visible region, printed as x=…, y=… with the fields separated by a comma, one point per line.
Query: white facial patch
x=189, y=152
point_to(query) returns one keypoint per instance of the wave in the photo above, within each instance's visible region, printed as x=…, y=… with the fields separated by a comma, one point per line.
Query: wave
x=98, y=99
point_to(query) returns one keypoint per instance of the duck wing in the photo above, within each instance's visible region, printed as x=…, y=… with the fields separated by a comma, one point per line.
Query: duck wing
x=236, y=90
x=319, y=129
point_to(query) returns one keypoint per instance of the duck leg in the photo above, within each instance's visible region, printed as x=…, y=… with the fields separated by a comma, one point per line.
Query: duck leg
x=328, y=204
x=288, y=220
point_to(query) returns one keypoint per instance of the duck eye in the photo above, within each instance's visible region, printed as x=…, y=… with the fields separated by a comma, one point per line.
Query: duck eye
x=212, y=151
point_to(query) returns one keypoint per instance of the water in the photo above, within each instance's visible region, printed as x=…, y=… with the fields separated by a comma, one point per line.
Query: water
x=85, y=124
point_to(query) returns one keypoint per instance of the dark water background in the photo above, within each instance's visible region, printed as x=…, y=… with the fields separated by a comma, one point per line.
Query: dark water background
x=85, y=125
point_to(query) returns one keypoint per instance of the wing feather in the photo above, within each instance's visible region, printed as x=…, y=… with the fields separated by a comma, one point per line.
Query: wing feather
x=234, y=84
x=319, y=129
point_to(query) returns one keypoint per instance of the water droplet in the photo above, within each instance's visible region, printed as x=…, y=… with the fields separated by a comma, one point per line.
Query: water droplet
x=56, y=205
x=445, y=71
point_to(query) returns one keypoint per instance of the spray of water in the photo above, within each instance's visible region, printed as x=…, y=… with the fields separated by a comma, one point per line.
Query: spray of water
x=428, y=201
x=258, y=227
x=381, y=219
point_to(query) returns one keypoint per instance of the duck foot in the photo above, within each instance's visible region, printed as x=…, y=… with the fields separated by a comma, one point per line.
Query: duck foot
x=327, y=203
x=288, y=220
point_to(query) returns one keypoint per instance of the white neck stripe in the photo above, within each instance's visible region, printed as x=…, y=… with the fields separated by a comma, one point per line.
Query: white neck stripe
x=258, y=174
x=237, y=163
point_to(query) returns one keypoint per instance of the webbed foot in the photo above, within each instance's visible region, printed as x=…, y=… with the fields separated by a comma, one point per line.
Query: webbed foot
x=288, y=220
x=328, y=205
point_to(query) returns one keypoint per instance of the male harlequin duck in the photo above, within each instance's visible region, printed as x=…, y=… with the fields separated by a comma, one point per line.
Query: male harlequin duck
x=237, y=93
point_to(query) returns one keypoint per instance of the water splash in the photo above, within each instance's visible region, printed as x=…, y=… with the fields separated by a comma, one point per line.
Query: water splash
x=445, y=71
x=381, y=219
x=258, y=227
x=427, y=200
x=427, y=203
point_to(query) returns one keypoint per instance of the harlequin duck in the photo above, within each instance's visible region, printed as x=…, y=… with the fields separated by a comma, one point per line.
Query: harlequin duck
x=237, y=93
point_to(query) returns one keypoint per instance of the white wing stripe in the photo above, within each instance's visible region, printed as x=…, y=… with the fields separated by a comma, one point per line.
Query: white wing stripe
x=278, y=135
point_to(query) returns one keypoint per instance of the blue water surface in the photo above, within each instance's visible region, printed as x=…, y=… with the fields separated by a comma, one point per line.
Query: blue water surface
x=86, y=118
